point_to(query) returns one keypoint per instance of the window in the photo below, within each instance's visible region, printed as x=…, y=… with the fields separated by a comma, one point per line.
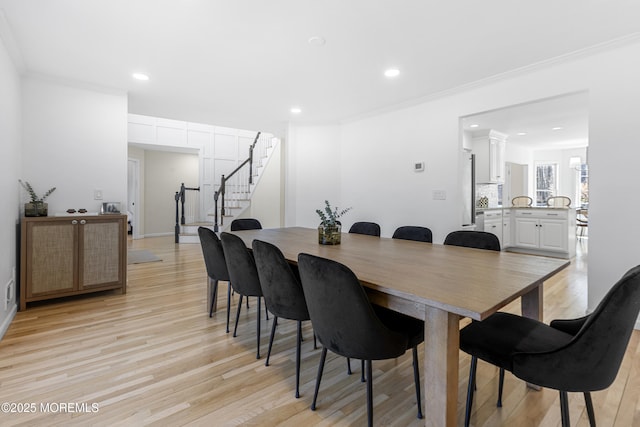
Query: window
x=546, y=182
x=583, y=185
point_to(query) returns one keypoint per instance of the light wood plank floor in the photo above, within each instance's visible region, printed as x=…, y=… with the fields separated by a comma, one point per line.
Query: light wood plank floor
x=154, y=357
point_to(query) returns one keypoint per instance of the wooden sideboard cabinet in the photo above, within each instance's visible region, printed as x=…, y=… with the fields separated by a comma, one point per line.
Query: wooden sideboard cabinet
x=71, y=255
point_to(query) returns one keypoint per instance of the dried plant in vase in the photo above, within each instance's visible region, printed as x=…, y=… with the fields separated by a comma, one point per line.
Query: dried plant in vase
x=37, y=206
x=330, y=228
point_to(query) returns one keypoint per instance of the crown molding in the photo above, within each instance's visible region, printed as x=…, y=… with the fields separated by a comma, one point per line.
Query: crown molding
x=571, y=56
x=6, y=36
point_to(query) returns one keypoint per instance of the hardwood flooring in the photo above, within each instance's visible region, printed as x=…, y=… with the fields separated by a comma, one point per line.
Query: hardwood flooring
x=154, y=357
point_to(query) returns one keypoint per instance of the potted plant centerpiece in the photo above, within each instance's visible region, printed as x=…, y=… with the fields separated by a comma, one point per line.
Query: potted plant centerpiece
x=37, y=206
x=330, y=228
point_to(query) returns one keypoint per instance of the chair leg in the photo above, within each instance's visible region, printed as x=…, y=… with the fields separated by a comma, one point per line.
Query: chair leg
x=273, y=333
x=228, y=305
x=500, y=387
x=214, y=297
x=416, y=378
x=323, y=356
x=349, y=366
x=564, y=409
x=315, y=342
x=369, y=393
x=258, y=329
x=470, y=389
x=266, y=310
x=298, y=349
x=235, y=329
x=589, y=403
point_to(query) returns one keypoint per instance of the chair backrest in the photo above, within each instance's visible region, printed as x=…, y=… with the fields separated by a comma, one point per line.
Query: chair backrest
x=368, y=228
x=245, y=224
x=473, y=239
x=412, y=232
x=522, y=201
x=243, y=274
x=341, y=313
x=559, y=202
x=213, y=255
x=591, y=360
x=280, y=284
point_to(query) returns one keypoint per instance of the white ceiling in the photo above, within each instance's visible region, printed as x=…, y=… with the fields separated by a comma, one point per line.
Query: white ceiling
x=540, y=121
x=245, y=63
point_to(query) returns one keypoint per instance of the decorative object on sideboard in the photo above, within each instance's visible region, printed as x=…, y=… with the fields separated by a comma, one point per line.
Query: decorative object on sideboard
x=110, y=208
x=329, y=230
x=37, y=206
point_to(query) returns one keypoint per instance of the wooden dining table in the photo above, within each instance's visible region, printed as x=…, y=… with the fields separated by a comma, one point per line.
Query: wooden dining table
x=436, y=283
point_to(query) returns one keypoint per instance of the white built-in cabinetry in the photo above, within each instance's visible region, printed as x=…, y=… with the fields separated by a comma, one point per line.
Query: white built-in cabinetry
x=545, y=230
x=498, y=222
x=489, y=151
x=538, y=231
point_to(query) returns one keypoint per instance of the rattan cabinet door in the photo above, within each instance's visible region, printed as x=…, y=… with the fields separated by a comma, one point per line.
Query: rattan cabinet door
x=51, y=257
x=100, y=253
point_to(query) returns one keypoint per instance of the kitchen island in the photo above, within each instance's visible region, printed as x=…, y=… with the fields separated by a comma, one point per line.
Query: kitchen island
x=535, y=230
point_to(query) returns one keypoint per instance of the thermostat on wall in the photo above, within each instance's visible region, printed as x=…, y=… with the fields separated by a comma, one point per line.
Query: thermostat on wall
x=418, y=167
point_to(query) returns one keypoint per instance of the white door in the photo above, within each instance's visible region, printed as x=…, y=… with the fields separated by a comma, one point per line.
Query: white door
x=133, y=196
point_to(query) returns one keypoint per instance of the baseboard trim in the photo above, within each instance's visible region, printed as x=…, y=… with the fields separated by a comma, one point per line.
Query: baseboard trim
x=7, y=321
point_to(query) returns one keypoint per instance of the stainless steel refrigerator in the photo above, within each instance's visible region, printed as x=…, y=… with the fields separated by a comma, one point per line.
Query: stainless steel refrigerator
x=468, y=170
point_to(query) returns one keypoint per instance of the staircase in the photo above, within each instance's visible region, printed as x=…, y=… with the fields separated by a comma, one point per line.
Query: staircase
x=232, y=195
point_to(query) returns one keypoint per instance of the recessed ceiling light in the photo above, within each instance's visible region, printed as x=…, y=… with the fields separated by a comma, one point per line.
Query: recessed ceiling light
x=474, y=125
x=316, y=41
x=140, y=76
x=392, y=72
x=557, y=128
x=296, y=110
x=521, y=133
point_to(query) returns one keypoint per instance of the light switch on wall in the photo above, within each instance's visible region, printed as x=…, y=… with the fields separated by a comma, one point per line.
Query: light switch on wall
x=439, y=195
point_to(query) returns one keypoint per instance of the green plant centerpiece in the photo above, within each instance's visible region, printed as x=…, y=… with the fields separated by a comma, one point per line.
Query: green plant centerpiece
x=329, y=230
x=37, y=206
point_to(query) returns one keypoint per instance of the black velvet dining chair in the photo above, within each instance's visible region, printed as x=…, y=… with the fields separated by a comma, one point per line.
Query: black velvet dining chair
x=346, y=323
x=473, y=239
x=244, y=277
x=368, y=228
x=216, y=266
x=245, y=224
x=413, y=232
x=283, y=294
x=577, y=355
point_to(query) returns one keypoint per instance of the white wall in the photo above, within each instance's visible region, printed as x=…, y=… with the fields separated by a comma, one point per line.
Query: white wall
x=10, y=172
x=164, y=171
x=74, y=139
x=377, y=154
x=313, y=166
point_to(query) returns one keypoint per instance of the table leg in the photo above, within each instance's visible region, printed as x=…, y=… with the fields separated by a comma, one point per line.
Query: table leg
x=442, y=341
x=531, y=303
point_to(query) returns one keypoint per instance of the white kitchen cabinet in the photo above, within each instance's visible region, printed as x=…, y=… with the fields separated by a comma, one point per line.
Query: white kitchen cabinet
x=493, y=223
x=489, y=151
x=545, y=231
x=506, y=229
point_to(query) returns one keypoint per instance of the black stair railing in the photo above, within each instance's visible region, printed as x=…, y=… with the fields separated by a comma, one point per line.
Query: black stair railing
x=180, y=218
x=223, y=187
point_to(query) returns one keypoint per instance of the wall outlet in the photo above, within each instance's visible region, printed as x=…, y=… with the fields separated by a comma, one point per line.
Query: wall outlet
x=8, y=294
x=97, y=194
x=439, y=195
